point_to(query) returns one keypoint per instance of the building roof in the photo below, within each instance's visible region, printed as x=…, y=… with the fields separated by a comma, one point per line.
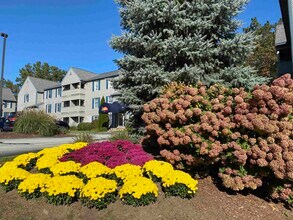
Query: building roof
x=43, y=84
x=7, y=95
x=84, y=75
x=280, y=38
x=105, y=75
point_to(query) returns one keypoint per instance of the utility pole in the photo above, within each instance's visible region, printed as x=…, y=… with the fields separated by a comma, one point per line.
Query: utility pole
x=2, y=72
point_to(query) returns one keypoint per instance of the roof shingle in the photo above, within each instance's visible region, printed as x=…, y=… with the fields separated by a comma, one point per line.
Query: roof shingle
x=7, y=95
x=42, y=84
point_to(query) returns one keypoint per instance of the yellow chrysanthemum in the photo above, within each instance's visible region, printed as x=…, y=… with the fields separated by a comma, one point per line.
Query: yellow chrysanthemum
x=46, y=161
x=138, y=186
x=127, y=171
x=33, y=182
x=95, y=169
x=10, y=173
x=58, y=185
x=178, y=176
x=98, y=188
x=65, y=168
x=157, y=168
x=24, y=159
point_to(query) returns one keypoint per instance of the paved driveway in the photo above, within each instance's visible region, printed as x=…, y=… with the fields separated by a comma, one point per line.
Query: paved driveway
x=23, y=145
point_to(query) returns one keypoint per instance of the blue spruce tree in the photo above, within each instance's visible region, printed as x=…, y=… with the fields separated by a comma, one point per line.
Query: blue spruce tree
x=180, y=40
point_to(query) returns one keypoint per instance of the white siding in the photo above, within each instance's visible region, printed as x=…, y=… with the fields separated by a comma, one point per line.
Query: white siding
x=92, y=93
x=28, y=90
x=8, y=108
x=53, y=101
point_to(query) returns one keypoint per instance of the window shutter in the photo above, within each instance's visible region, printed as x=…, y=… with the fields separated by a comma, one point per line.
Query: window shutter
x=99, y=102
x=99, y=84
x=107, y=99
x=93, y=86
x=93, y=103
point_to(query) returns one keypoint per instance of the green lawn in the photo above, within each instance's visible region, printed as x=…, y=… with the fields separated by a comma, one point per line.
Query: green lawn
x=7, y=158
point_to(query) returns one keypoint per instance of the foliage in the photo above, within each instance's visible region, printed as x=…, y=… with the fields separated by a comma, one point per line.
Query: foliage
x=40, y=70
x=95, y=169
x=182, y=41
x=100, y=187
x=85, y=126
x=263, y=58
x=99, y=193
x=35, y=122
x=119, y=135
x=138, y=191
x=83, y=137
x=63, y=168
x=11, y=175
x=125, y=135
x=111, y=154
x=9, y=84
x=31, y=186
x=248, y=135
x=102, y=123
x=178, y=183
x=61, y=190
x=157, y=169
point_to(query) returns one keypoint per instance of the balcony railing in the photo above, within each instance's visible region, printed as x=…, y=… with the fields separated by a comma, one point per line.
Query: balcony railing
x=73, y=93
x=73, y=109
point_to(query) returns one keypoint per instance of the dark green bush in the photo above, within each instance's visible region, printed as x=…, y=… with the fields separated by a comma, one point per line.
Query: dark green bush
x=84, y=126
x=35, y=122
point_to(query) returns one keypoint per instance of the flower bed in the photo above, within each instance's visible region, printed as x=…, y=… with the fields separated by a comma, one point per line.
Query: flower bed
x=94, y=184
x=111, y=154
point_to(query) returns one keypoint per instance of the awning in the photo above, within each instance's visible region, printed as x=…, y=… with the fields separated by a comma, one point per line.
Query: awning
x=115, y=107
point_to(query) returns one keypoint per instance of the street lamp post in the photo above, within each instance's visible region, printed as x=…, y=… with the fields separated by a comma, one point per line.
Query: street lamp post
x=2, y=72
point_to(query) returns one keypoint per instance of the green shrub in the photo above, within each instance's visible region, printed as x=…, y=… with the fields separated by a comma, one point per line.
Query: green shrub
x=35, y=122
x=247, y=136
x=83, y=137
x=84, y=126
x=119, y=135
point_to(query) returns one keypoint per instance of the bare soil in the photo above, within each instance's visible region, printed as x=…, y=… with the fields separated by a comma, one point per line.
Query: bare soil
x=210, y=203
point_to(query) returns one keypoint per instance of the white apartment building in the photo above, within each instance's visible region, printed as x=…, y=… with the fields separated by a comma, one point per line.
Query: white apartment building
x=9, y=102
x=76, y=99
x=31, y=94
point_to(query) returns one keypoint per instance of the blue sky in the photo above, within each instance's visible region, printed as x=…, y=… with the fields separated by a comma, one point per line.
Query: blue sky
x=76, y=33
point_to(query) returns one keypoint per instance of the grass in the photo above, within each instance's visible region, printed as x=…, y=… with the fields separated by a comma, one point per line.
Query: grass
x=6, y=159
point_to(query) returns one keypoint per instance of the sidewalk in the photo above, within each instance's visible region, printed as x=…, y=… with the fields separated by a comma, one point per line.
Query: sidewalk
x=23, y=145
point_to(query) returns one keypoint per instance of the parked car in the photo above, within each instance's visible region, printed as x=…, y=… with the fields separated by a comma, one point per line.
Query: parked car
x=11, y=117
x=8, y=125
x=2, y=120
x=62, y=124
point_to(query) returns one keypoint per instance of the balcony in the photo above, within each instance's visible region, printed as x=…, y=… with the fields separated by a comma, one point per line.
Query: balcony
x=73, y=111
x=73, y=94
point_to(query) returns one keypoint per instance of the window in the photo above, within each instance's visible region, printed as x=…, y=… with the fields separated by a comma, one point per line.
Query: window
x=96, y=103
x=58, y=92
x=26, y=98
x=95, y=117
x=49, y=108
x=7, y=104
x=109, y=99
x=57, y=107
x=96, y=85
